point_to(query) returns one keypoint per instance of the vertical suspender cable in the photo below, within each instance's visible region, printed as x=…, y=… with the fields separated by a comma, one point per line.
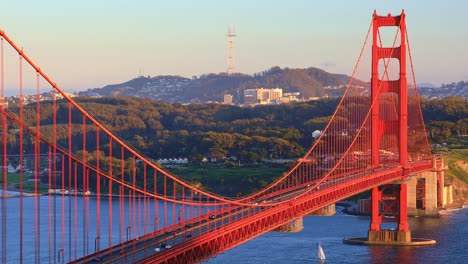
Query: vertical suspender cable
x=75, y=211
x=135, y=228
x=165, y=202
x=55, y=175
x=63, y=206
x=174, y=204
x=69, y=108
x=183, y=206
x=138, y=215
x=145, y=216
x=111, y=193
x=21, y=159
x=4, y=163
x=52, y=182
x=121, y=198
x=98, y=194
x=85, y=189
x=155, y=201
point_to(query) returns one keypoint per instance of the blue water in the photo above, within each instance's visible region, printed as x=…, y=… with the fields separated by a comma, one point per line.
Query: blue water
x=80, y=239
x=450, y=231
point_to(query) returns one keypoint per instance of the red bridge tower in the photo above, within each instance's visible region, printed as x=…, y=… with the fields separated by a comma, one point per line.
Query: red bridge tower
x=392, y=199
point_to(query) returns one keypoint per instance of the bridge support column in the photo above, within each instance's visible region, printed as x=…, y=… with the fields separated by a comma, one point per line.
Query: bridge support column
x=389, y=205
x=424, y=194
x=431, y=193
x=375, y=218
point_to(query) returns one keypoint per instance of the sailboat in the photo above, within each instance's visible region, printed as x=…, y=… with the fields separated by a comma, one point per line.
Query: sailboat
x=320, y=253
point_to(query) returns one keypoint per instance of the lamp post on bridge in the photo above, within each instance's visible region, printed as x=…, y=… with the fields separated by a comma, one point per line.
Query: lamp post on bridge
x=97, y=244
x=179, y=218
x=60, y=256
x=129, y=228
x=156, y=219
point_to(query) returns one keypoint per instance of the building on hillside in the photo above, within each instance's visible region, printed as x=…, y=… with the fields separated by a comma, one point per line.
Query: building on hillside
x=3, y=103
x=316, y=133
x=276, y=94
x=173, y=161
x=227, y=99
x=290, y=97
x=250, y=96
x=262, y=95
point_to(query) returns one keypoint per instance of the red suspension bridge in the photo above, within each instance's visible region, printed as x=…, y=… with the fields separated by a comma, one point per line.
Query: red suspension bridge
x=112, y=204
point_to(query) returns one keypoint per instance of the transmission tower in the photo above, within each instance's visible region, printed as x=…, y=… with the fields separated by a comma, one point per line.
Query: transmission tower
x=230, y=36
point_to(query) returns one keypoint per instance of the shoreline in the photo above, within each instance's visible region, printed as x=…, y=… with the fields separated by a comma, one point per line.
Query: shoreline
x=455, y=206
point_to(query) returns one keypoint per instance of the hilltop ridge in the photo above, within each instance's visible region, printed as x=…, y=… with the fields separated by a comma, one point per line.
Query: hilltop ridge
x=309, y=82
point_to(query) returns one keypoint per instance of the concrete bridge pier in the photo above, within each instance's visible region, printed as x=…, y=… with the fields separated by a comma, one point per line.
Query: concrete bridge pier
x=423, y=194
x=427, y=191
x=297, y=224
x=389, y=204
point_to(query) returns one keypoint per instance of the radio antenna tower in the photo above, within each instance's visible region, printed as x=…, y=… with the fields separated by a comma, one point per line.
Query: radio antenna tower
x=230, y=36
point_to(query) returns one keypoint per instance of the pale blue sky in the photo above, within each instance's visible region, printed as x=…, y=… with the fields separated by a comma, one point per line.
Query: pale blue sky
x=90, y=43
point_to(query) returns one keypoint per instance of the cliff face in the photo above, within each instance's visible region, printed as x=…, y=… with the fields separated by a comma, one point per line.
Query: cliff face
x=460, y=188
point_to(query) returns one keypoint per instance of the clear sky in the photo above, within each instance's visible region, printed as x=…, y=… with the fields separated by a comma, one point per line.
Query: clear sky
x=90, y=43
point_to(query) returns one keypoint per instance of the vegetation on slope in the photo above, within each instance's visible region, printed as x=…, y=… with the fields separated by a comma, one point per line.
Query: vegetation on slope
x=250, y=135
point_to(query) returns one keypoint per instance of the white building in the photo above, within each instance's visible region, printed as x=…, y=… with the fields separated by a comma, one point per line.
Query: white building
x=262, y=95
x=276, y=94
x=227, y=99
x=316, y=133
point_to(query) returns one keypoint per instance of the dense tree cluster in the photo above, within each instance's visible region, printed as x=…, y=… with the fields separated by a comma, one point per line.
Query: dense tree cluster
x=445, y=118
x=162, y=130
x=195, y=131
x=227, y=134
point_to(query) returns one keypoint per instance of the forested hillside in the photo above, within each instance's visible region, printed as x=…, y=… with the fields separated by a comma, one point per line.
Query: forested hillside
x=163, y=130
x=226, y=135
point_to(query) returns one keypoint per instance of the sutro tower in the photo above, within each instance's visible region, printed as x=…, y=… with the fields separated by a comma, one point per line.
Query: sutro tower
x=230, y=36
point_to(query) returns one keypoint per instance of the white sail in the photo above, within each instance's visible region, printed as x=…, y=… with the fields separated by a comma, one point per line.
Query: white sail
x=320, y=253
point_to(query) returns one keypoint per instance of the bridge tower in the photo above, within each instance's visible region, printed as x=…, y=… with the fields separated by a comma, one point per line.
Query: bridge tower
x=389, y=202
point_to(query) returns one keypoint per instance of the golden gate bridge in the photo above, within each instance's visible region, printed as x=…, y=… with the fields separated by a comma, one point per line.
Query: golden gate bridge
x=115, y=206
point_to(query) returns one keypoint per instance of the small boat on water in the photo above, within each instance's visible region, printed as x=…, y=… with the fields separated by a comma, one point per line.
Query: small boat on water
x=320, y=253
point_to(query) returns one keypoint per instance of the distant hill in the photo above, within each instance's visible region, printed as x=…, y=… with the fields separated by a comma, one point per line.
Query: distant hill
x=427, y=85
x=459, y=89
x=310, y=82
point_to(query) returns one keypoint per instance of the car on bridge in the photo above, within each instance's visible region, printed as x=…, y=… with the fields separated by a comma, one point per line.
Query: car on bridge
x=97, y=259
x=164, y=245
